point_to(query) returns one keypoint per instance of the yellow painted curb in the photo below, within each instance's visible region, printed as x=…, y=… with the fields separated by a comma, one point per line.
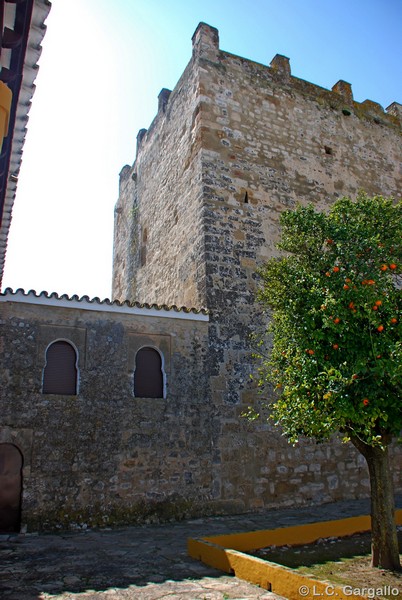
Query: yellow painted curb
x=224, y=553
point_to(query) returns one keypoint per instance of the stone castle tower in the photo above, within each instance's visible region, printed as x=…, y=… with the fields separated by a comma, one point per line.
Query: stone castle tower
x=234, y=144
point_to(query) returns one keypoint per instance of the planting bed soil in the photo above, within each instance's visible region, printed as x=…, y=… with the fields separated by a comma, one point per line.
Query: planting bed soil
x=342, y=561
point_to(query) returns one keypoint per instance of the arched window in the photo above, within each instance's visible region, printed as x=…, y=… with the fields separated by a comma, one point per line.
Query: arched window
x=11, y=463
x=60, y=373
x=148, y=377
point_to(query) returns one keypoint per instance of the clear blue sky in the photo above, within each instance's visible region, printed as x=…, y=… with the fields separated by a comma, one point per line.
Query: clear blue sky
x=102, y=67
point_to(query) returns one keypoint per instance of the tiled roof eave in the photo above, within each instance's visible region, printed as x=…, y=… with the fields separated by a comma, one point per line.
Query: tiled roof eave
x=37, y=30
x=106, y=305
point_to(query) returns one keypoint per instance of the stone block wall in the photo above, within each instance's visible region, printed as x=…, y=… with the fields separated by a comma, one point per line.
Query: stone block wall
x=160, y=204
x=270, y=140
x=104, y=456
x=233, y=145
x=261, y=141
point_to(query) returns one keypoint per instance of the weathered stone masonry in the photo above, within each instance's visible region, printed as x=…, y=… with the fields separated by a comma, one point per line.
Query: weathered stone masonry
x=233, y=145
x=248, y=141
x=104, y=456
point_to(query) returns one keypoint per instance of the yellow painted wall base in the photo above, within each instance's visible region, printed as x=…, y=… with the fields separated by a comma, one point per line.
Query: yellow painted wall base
x=223, y=552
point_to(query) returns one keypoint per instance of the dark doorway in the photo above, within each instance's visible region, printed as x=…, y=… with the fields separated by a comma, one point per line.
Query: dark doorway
x=10, y=488
x=148, y=378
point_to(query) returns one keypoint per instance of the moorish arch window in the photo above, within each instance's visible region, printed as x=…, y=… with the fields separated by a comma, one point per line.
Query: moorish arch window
x=149, y=374
x=60, y=375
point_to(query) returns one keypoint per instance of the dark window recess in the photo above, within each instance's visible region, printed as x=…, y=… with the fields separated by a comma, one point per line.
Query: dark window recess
x=328, y=150
x=143, y=255
x=60, y=374
x=148, y=378
x=246, y=198
x=10, y=488
x=144, y=247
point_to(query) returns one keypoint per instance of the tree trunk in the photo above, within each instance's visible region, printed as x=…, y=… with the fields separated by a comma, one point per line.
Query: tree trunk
x=384, y=541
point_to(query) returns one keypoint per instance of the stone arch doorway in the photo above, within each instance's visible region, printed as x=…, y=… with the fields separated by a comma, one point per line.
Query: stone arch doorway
x=11, y=463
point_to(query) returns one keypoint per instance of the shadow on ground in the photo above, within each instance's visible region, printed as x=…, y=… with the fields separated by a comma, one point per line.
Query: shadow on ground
x=95, y=560
x=140, y=563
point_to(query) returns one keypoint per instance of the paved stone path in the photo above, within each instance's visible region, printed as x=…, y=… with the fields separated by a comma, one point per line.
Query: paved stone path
x=139, y=563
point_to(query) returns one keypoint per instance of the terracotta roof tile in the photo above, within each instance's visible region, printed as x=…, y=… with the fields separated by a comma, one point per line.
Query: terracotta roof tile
x=105, y=302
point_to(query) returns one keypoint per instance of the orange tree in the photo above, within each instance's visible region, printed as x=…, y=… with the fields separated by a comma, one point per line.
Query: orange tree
x=336, y=329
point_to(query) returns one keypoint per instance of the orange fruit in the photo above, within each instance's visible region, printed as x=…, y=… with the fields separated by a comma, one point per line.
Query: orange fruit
x=346, y=287
x=378, y=302
x=337, y=320
x=384, y=267
x=335, y=269
x=366, y=401
x=335, y=346
x=392, y=266
x=394, y=320
x=380, y=328
x=375, y=307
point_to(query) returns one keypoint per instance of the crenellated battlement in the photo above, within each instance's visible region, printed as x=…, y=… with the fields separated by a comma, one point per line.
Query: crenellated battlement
x=238, y=135
x=205, y=46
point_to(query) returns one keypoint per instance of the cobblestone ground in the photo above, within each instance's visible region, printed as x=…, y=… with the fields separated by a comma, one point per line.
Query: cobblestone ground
x=139, y=563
